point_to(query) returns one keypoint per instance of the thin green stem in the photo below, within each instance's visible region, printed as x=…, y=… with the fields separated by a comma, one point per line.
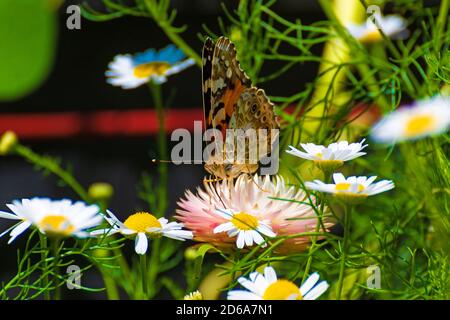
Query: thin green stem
x=154, y=262
x=373, y=87
x=314, y=238
x=440, y=24
x=55, y=251
x=347, y=213
x=52, y=166
x=111, y=289
x=43, y=241
x=164, y=22
x=144, y=275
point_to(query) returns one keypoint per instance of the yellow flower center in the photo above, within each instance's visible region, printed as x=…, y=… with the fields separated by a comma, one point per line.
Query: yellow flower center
x=244, y=221
x=141, y=221
x=146, y=70
x=419, y=124
x=345, y=186
x=58, y=225
x=282, y=290
x=371, y=36
x=196, y=295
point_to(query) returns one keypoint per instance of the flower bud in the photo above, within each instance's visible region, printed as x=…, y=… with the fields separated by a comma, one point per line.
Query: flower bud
x=7, y=142
x=101, y=191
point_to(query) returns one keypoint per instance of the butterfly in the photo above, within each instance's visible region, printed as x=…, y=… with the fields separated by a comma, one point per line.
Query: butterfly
x=230, y=101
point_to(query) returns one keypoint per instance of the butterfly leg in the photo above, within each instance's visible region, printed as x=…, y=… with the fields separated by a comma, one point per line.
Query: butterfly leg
x=257, y=185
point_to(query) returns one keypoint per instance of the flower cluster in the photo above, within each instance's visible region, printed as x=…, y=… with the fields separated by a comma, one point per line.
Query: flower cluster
x=252, y=210
x=351, y=189
x=64, y=218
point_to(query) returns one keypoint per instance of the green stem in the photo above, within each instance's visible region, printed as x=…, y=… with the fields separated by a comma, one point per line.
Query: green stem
x=347, y=214
x=156, y=92
x=53, y=167
x=161, y=19
x=373, y=87
x=55, y=252
x=440, y=24
x=144, y=275
x=43, y=241
x=111, y=289
x=154, y=263
x=314, y=239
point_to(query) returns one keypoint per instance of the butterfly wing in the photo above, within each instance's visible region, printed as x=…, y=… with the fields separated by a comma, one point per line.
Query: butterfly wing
x=233, y=103
x=255, y=111
x=207, y=57
x=228, y=81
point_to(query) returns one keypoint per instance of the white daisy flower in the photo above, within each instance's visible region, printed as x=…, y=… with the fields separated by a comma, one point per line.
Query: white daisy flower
x=247, y=227
x=267, y=287
x=131, y=71
x=393, y=26
x=332, y=156
x=58, y=218
x=142, y=225
x=424, y=118
x=351, y=187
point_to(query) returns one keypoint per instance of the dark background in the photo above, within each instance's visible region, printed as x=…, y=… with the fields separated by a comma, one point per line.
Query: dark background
x=77, y=83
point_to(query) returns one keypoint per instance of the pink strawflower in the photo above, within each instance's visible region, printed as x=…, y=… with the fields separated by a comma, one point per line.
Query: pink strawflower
x=251, y=207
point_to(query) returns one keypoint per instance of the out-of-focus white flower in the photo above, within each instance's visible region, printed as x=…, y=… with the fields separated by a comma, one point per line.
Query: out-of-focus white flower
x=351, y=187
x=391, y=25
x=424, y=118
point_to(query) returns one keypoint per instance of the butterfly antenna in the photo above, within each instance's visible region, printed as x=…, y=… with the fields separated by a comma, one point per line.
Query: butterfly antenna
x=156, y=161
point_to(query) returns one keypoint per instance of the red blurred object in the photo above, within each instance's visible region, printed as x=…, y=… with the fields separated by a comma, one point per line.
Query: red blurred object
x=364, y=115
x=99, y=123
x=131, y=123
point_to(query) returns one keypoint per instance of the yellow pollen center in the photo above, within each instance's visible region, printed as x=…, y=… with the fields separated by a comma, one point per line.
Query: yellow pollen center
x=319, y=155
x=141, y=221
x=371, y=36
x=345, y=186
x=146, y=70
x=282, y=290
x=419, y=124
x=56, y=225
x=244, y=221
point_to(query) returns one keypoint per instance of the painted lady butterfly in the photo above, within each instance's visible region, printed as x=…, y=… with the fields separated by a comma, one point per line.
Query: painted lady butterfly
x=231, y=102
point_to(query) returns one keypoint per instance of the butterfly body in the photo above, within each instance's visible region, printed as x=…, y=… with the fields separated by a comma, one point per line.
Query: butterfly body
x=231, y=102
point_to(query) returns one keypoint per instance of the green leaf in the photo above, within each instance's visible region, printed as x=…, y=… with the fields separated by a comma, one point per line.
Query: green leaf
x=28, y=35
x=201, y=252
